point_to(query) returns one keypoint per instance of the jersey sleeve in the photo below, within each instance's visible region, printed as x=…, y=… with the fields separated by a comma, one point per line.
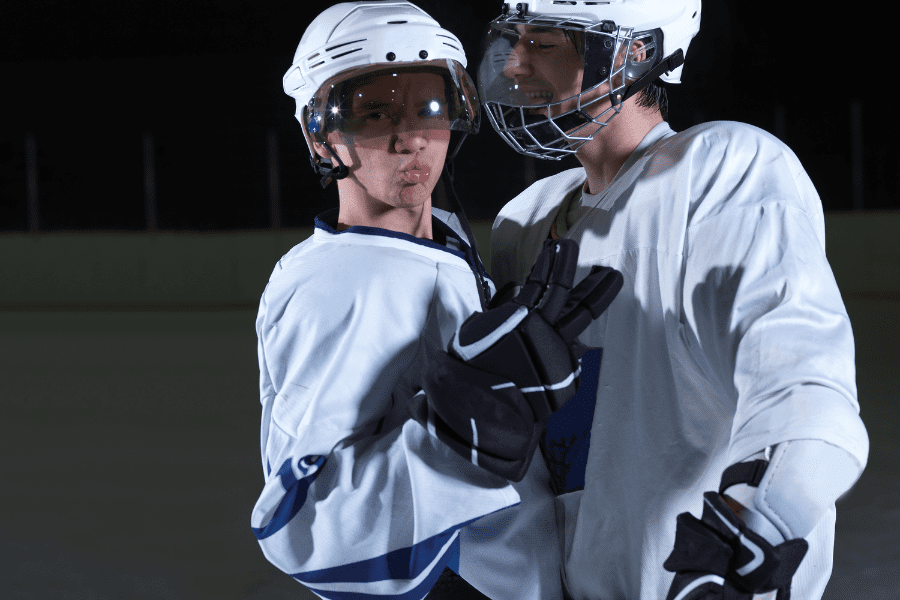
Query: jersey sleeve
x=761, y=298
x=359, y=500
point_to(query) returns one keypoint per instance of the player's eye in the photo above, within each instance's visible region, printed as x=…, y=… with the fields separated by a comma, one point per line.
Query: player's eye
x=539, y=45
x=375, y=116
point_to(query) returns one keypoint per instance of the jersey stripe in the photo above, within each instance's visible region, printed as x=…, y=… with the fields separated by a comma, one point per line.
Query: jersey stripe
x=404, y=563
x=295, y=494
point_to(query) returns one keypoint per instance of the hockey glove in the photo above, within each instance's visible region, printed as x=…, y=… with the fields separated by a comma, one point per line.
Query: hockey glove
x=719, y=558
x=531, y=340
x=509, y=368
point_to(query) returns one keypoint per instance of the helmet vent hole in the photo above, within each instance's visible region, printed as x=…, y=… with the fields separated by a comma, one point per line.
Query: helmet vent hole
x=452, y=46
x=397, y=22
x=344, y=44
x=320, y=63
x=336, y=56
x=313, y=56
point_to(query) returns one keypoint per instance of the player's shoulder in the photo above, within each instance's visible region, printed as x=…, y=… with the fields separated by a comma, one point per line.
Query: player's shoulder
x=333, y=270
x=729, y=142
x=746, y=165
x=541, y=198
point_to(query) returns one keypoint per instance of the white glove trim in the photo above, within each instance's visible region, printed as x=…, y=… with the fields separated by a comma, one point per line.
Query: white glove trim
x=472, y=350
x=698, y=582
x=554, y=386
x=758, y=555
x=474, y=442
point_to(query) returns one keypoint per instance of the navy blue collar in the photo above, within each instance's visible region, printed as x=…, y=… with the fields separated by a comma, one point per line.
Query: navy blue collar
x=328, y=221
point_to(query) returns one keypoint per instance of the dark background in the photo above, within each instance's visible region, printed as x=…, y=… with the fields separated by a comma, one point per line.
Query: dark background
x=88, y=78
x=129, y=402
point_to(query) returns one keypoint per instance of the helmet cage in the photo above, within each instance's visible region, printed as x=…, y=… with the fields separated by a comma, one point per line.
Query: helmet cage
x=547, y=130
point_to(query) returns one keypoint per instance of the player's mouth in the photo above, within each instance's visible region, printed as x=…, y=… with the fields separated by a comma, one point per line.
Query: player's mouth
x=531, y=92
x=538, y=95
x=415, y=172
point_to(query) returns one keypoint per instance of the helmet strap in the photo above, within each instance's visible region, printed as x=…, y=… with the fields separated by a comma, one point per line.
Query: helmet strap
x=670, y=63
x=329, y=173
x=475, y=259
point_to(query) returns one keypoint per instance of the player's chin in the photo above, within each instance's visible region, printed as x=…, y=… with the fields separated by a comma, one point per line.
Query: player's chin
x=410, y=195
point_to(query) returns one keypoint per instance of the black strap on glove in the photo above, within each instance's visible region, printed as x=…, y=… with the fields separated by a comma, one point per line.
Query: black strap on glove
x=718, y=557
x=509, y=368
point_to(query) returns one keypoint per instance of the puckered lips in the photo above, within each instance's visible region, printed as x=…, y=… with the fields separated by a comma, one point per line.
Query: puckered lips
x=415, y=172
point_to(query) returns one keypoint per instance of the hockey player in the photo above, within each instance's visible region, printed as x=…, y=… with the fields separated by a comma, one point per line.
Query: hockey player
x=372, y=465
x=724, y=424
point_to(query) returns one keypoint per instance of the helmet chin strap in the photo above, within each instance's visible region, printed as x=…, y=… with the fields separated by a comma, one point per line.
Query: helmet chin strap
x=477, y=267
x=670, y=63
x=329, y=173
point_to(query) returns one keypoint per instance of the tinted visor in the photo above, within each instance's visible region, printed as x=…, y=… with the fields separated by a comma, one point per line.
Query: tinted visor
x=383, y=99
x=528, y=62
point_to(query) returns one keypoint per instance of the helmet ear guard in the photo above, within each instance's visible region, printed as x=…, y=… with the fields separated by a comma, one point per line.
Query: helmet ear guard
x=313, y=132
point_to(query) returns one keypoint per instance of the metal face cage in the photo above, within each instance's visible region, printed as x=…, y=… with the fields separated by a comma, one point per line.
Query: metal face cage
x=539, y=78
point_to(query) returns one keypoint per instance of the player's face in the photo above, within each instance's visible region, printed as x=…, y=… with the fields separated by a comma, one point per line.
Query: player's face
x=395, y=138
x=544, y=67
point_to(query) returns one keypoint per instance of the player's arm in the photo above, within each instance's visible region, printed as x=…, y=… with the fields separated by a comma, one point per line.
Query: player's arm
x=751, y=538
x=353, y=501
x=769, y=321
x=508, y=369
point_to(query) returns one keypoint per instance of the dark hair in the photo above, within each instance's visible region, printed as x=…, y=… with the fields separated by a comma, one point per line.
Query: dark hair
x=654, y=96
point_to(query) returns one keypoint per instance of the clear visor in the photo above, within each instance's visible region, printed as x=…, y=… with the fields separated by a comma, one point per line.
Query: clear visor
x=383, y=99
x=535, y=63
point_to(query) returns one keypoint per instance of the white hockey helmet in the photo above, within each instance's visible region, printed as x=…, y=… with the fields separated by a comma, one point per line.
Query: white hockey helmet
x=364, y=39
x=538, y=122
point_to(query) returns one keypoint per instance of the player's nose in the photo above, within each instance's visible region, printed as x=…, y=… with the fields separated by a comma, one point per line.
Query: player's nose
x=517, y=63
x=411, y=140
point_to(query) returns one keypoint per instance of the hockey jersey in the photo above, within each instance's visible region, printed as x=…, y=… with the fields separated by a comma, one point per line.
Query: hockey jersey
x=728, y=336
x=359, y=500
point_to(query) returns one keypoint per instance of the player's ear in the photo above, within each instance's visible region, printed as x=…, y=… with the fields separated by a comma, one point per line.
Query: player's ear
x=638, y=51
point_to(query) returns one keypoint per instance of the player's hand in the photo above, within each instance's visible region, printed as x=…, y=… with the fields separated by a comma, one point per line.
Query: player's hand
x=531, y=339
x=509, y=368
x=718, y=557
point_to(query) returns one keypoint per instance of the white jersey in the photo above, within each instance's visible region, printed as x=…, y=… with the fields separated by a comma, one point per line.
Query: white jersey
x=729, y=336
x=359, y=500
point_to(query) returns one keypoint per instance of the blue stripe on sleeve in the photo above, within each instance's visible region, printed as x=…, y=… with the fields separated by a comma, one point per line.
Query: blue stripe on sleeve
x=295, y=493
x=453, y=557
x=404, y=563
x=417, y=593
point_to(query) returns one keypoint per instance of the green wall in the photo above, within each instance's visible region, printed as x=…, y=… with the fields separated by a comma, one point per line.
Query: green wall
x=229, y=270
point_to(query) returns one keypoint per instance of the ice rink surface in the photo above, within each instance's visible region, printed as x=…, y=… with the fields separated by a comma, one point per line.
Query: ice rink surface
x=131, y=458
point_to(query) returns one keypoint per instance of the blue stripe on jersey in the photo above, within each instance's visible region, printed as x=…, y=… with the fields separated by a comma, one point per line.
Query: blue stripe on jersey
x=322, y=222
x=453, y=557
x=295, y=493
x=567, y=438
x=417, y=593
x=404, y=563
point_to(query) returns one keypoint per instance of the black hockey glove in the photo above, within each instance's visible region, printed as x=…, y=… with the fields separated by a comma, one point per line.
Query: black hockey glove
x=509, y=368
x=719, y=558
